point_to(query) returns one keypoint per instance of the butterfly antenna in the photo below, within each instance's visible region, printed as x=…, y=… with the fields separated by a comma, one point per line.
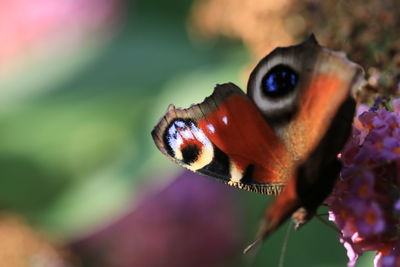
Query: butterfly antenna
x=284, y=245
x=250, y=258
x=253, y=245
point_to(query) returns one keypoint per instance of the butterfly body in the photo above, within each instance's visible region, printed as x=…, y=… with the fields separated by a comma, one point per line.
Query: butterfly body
x=285, y=133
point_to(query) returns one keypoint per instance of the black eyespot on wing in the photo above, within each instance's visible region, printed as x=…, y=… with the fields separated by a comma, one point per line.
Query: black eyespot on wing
x=171, y=133
x=279, y=81
x=190, y=153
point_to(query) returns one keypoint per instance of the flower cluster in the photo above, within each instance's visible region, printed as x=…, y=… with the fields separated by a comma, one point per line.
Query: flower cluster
x=365, y=203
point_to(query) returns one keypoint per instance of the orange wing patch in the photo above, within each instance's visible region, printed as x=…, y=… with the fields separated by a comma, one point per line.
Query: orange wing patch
x=320, y=102
x=238, y=129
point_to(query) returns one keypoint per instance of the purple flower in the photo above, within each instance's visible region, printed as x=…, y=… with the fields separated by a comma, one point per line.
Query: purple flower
x=370, y=220
x=365, y=202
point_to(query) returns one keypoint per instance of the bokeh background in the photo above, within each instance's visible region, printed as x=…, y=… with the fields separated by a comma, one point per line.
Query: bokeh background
x=83, y=82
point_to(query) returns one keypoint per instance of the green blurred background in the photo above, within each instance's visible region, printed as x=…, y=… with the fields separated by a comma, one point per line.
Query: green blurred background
x=78, y=102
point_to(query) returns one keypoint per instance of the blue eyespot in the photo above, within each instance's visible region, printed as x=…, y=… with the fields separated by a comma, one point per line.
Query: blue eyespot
x=279, y=81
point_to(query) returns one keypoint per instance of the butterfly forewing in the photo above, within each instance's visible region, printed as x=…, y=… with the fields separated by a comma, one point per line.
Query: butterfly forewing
x=322, y=81
x=225, y=137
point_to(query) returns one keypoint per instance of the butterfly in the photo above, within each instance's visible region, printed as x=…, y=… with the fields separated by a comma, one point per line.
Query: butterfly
x=282, y=138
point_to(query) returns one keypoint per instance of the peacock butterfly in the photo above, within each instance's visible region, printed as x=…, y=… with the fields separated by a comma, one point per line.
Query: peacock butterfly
x=283, y=135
